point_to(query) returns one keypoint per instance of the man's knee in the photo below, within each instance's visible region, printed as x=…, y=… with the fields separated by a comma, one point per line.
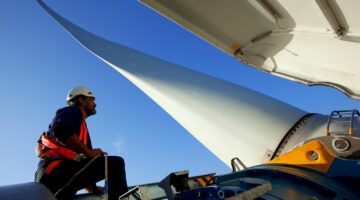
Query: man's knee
x=117, y=161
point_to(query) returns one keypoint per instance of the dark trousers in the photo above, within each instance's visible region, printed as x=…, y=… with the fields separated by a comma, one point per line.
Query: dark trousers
x=93, y=173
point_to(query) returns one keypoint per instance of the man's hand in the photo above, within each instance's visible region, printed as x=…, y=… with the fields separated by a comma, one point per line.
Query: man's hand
x=97, y=190
x=94, y=152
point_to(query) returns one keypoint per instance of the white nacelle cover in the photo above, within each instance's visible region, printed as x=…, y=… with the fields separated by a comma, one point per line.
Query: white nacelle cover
x=312, y=42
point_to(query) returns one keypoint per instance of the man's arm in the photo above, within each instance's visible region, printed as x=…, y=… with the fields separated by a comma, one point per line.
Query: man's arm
x=76, y=145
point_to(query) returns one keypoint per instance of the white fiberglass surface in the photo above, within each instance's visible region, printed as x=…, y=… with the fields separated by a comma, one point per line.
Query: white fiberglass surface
x=311, y=42
x=228, y=119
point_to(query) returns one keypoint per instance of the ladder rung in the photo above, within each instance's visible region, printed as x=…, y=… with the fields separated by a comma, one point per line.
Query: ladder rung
x=340, y=121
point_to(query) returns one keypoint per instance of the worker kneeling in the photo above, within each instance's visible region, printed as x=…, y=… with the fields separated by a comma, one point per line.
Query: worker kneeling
x=68, y=161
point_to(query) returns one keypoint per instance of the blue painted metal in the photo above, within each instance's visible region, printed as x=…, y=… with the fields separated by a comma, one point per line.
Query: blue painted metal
x=288, y=182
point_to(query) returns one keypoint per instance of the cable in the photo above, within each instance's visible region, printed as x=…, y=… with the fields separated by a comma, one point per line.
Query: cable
x=106, y=186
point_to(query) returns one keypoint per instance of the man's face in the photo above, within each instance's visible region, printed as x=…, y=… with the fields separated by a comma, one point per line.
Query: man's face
x=89, y=106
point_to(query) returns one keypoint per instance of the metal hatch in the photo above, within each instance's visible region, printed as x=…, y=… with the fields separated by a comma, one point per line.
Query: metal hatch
x=308, y=41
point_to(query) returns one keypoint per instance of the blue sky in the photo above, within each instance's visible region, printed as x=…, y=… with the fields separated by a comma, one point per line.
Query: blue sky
x=40, y=63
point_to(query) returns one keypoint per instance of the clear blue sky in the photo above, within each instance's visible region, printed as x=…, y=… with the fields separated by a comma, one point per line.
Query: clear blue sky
x=40, y=62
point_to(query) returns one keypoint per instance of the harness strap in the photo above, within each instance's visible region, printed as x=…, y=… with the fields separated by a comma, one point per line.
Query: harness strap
x=83, y=133
x=56, y=149
x=51, y=149
x=51, y=166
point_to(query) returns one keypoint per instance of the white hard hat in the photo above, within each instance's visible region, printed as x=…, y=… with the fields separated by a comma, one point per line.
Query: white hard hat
x=79, y=91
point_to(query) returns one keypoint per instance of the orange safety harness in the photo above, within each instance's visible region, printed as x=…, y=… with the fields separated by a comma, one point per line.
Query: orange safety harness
x=53, y=150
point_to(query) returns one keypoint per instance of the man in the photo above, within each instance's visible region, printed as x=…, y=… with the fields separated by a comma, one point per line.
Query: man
x=68, y=161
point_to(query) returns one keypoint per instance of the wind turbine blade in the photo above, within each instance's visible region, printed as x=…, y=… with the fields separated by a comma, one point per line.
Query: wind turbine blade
x=228, y=119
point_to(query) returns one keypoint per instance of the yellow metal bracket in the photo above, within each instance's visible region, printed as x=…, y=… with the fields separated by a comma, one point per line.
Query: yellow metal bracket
x=313, y=154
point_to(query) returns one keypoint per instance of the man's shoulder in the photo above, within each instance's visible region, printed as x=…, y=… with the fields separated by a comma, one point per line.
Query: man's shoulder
x=69, y=110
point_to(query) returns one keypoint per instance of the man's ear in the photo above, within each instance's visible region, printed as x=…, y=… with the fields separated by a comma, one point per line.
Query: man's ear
x=81, y=100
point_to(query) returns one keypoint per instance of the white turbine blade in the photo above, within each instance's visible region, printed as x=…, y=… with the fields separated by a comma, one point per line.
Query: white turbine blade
x=308, y=41
x=228, y=119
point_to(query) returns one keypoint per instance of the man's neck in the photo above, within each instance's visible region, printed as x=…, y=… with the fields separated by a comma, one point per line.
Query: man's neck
x=83, y=113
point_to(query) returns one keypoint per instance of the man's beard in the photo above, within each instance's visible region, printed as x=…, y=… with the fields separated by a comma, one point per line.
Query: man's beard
x=90, y=112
